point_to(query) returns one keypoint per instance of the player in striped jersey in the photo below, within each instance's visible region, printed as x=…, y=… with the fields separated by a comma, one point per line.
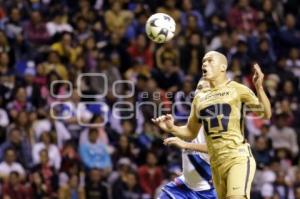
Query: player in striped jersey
x=196, y=180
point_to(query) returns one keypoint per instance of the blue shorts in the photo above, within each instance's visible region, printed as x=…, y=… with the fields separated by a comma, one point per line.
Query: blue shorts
x=178, y=190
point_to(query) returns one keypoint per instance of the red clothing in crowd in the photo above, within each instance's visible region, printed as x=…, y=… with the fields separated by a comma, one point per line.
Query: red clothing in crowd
x=145, y=55
x=16, y=191
x=150, y=178
x=243, y=19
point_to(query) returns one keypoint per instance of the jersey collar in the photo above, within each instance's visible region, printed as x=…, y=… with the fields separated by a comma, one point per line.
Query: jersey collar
x=222, y=85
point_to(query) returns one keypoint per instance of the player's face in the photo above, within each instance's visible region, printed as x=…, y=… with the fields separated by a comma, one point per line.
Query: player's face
x=210, y=66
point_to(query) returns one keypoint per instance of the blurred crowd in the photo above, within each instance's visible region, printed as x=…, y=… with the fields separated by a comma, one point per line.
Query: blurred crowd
x=80, y=81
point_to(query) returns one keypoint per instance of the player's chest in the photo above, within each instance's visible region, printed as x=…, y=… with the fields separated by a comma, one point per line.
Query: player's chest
x=220, y=99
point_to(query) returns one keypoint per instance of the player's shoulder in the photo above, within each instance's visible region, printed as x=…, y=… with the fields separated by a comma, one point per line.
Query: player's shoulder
x=238, y=86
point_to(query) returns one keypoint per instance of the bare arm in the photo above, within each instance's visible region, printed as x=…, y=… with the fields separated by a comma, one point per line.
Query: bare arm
x=262, y=97
x=187, y=132
x=174, y=141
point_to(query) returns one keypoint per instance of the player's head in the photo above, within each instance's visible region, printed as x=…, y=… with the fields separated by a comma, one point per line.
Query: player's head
x=202, y=85
x=214, y=65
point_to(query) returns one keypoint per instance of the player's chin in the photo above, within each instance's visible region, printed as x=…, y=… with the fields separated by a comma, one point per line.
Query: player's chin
x=206, y=77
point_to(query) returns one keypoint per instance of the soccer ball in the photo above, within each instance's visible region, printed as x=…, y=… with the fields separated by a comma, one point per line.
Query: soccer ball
x=160, y=27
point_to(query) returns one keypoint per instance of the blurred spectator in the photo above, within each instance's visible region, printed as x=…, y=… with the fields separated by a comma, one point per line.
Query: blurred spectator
x=297, y=178
x=264, y=57
x=192, y=53
x=167, y=76
x=127, y=187
x=117, y=19
x=58, y=25
x=281, y=187
x=283, y=136
x=192, y=26
x=5, y=64
x=4, y=119
x=6, y=48
x=259, y=35
x=20, y=146
x=285, y=157
x=76, y=112
x=85, y=11
x=54, y=64
x=142, y=51
x=47, y=172
x=261, y=152
x=220, y=42
x=66, y=48
x=72, y=189
x=122, y=168
x=242, y=55
x=38, y=187
x=55, y=127
x=124, y=149
x=82, y=30
x=46, y=142
x=282, y=70
x=94, y=154
x=102, y=134
x=188, y=10
x=269, y=14
x=243, y=16
x=271, y=84
x=89, y=60
x=150, y=174
x=19, y=103
x=183, y=100
x=32, y=89
x=9, y=165
x=297, y=192
x=166, y=51
x=36, y=30
x=14, y=189
x=96, y=188
x=289, y=35
x=13, y=25
x=70, y=161
x=105, y=67
x=169, y=8
x=293, y=63
x=117, y=47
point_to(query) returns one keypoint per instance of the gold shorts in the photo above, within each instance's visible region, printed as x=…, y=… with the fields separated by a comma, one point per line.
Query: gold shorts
x=234, y=177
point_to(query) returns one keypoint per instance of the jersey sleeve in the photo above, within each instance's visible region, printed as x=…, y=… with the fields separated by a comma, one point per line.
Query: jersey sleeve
x=248, y=97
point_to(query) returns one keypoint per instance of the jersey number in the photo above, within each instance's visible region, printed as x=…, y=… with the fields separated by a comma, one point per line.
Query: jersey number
x=215, y=118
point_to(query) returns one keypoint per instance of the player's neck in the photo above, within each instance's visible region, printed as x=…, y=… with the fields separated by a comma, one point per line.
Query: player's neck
x=219, y=81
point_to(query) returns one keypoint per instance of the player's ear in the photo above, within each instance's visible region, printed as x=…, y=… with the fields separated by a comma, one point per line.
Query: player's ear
x=223, y=67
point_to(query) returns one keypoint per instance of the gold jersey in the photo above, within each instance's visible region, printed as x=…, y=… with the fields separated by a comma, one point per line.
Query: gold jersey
x=221, y=111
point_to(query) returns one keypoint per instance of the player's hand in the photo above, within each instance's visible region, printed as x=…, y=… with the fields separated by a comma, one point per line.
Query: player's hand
x=175, y=141
x=165, y=122
x=258, y=77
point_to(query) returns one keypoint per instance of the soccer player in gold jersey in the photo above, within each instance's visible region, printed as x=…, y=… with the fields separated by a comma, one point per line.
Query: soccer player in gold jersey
x=220, y=110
